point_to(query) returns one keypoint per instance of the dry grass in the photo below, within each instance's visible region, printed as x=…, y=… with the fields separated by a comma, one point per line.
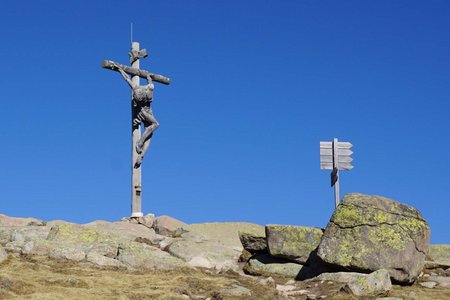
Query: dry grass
x=43, y=278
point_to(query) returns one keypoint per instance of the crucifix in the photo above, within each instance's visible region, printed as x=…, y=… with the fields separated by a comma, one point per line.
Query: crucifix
x=141, y=114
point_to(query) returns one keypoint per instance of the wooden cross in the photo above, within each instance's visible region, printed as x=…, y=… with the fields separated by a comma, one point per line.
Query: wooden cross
x=136, y=73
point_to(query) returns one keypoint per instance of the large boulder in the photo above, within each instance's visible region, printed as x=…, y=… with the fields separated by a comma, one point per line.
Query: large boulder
x=368, y=233
x=292, y=242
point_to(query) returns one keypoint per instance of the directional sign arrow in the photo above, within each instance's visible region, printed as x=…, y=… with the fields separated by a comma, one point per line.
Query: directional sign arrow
x=341, y=159
x=341, y=145
x=341, y=166
x=340, y=152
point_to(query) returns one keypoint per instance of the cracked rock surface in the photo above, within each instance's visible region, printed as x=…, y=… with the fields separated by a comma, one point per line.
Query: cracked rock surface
x=368, y=233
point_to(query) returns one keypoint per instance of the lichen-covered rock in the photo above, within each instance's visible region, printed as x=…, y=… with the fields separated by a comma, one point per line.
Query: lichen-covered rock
x=374, y=284
x=253, y=243
x=292, y=242
x=371, y=232
x=266, y=265
x=143, y=256
x=124, y=231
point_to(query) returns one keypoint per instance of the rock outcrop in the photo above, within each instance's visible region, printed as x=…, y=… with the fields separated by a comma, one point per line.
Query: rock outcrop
x=373, y=239
x=368, y=233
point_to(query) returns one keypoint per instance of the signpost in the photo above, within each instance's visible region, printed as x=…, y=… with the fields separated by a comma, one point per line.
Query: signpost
x=335, y=156
x=141, y=114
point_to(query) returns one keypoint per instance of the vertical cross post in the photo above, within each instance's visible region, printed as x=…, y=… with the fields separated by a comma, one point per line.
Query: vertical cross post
x=336, y=171
x=136, y=170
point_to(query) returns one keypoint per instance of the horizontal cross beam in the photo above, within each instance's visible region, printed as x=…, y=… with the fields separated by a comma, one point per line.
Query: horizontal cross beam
x=109, y=64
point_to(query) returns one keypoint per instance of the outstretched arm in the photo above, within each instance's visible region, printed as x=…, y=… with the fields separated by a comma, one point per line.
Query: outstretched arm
x=126, y=77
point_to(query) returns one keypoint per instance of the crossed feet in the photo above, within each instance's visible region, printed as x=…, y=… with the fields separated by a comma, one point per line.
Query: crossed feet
x=139, y=150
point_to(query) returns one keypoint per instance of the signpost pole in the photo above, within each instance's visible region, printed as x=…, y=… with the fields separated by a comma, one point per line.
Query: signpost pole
x=336, y=171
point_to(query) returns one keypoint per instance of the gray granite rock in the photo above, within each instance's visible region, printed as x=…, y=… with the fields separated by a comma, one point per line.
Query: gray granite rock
x=143, y=256
x=371, y=233
x=253, y=243
x=167, y=226
x=266, y=265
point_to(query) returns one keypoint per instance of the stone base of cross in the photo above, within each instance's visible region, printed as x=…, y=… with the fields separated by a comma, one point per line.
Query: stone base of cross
x=141, y=114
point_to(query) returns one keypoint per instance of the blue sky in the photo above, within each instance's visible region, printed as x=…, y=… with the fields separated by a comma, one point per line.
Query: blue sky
x=256, y=85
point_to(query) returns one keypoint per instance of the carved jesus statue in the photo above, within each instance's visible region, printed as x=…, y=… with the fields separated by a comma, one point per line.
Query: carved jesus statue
x=142, y=100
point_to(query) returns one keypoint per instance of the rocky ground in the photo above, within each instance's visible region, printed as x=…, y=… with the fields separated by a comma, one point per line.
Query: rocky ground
x=164, y=258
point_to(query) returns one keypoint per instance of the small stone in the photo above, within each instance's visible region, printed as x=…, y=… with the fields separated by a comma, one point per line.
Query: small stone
x=389, y=298
x=3, y=255
x=428, y=284
x=374, y=284
x=237, y=291
x=200, y=262
x=285, y=288
x=412, y=296
x=267, y=281
x=290, y=282
x=311, y=297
